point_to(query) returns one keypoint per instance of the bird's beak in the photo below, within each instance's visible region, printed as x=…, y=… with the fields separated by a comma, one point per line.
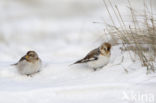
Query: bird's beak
x=26, y=56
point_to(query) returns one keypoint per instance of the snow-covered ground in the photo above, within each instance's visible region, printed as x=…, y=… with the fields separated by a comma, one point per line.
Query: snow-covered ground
x=60, y=38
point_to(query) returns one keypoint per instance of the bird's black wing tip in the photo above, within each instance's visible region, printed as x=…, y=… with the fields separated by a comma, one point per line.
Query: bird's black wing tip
x=79, y=61
x=73, y=63
x=14, y=64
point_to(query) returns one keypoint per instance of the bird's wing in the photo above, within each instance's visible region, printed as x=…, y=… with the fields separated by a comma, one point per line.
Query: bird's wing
x=91, y=56
x=22, y=58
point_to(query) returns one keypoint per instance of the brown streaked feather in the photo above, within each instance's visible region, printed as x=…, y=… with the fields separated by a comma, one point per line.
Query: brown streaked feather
x=91, y=56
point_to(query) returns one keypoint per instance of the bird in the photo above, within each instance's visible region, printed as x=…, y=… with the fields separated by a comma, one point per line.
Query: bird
x=98, y=57
x=29, y=64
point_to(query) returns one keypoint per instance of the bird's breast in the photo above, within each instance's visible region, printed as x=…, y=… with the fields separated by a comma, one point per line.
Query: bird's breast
x=25, y=67
x=101, y=61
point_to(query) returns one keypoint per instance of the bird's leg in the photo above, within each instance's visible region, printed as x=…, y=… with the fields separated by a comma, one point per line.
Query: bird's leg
x=29, y=75
x=94, y=69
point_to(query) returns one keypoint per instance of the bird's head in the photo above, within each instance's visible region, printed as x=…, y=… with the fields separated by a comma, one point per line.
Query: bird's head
x=105, y=48
x=31, y=56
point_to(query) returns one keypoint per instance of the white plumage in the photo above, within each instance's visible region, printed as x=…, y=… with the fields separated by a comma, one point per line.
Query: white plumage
x=100, y=62
x=26, y=68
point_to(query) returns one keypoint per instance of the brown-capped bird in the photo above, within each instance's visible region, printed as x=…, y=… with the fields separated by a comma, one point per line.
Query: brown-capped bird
x=98, y=57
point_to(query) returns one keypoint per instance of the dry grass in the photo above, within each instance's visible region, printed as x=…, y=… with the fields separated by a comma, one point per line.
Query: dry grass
x=139, y=36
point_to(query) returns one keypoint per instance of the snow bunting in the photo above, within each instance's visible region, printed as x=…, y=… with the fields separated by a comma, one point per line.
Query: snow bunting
x=98, y=57
x=29, y=64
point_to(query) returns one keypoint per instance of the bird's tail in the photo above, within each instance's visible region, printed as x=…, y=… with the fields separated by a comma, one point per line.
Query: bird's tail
x=77, y=62
x=80, y=61
x=14, y=64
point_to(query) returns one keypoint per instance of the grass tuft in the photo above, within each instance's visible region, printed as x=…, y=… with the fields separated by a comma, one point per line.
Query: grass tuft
x=139, y=36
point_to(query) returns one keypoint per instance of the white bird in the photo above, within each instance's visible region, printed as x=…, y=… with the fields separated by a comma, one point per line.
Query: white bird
x=98, y=57
x=29, y=64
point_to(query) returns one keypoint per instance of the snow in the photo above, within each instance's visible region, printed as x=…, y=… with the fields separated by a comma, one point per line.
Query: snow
x=59, y=43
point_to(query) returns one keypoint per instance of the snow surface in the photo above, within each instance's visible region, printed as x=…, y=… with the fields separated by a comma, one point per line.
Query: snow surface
x=59, y=43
